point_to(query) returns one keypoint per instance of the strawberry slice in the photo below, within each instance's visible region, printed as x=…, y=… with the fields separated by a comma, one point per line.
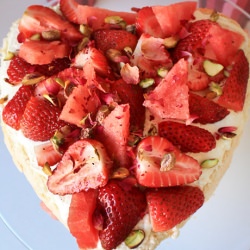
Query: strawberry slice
x=45, y=153
x=170, y=206
x=43, y=52
x=40, y=119
x=234, y=91
x=13, y=111
x=122, y=206
x=114, y=132
x=92, y=16
x=187, y=137
x=206, y=111
x=160, y=164
x=37, y=19
x=169, y=99
x=80, y=219
x=84, y=165
x=114, y=39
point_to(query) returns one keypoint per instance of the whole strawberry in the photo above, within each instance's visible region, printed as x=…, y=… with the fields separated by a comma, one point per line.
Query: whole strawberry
x=13, y=111
x=122, y=207
x=187, y=137
x=40, y=119
x=170, y=206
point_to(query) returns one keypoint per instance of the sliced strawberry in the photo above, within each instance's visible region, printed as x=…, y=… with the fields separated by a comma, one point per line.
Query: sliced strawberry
x=40, y=119
x=169, y=99
x=93, y=16
x=187, y=137
x=133, y=95
x=160, y=164
x=197, y=80
x=18, y=69
x=37, y=19
x=114, y=39
x=13, y=111
x=43, y=52
x=170, y=206
x=95, y=57
x=206, y=111
x=122, y=207
x=45, y=153
x=84, y=165
x=114, y=132
x=80, y=103
x=80, y=219
x=234, y=91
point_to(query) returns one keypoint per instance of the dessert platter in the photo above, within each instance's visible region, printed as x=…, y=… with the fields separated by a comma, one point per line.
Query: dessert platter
x=129, y=128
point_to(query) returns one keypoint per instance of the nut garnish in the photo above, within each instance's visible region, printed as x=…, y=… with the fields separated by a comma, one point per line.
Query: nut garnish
x=135, y=238
x=120, y=173
x=46, y=169
x=209, y=163
x=33, y=78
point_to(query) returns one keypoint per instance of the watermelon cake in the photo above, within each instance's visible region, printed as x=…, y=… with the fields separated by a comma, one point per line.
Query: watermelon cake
x=123, y=122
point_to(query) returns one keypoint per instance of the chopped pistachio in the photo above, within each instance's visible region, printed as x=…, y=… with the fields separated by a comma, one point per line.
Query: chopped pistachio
x=3, y=100
x=167, y=162
x=120, y=173
x=35, y=37
x=162, y=72
x=51, y=35
x=214, y=16
x=135, y=238
x=60, y=82
x=170, y=42
x=52, y=99
x=85, y=30
x=215, y=87
x=228, y=135
x=212, y=68
x=147, y=82
x=9, y=56
x=46, y=169
x=33, y=78
x=115, y=20
x=57, y=140
x=133, y=139
x=209, y=163
x=83, y=43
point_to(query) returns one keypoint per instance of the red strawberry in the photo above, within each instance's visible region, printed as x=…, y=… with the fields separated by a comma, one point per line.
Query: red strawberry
x=80, y=219
x=84, y=165
x=43, y=52
x=187, y=137
x=95, y=57
x=18, y=69
x=114, y=39
x=94, y=17
x=13, y=111
x=206, y=111
x=197, y=80
x=122, y=207
x=45, y=153
x=234, y=91
x=40, y=119
x=132, y=94
x=170, y=206
x=169, y=99
x=114, y=132
x=37, y=19
x=160, y=164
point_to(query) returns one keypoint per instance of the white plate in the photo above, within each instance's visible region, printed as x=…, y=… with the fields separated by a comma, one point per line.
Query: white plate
x=222, y=223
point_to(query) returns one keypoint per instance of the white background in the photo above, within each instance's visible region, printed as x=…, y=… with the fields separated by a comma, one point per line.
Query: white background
x=222, y=223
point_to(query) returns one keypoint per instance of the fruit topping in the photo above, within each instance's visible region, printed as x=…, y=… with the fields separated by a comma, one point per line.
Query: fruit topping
x=84, y=165
x=160, y=164
x=188, y=138
x=121, y=206
x=170, y=206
